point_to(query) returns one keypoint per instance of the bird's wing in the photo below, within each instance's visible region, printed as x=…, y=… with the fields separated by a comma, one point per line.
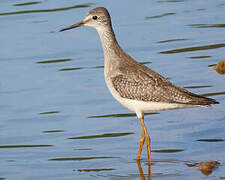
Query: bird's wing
x=146, y=85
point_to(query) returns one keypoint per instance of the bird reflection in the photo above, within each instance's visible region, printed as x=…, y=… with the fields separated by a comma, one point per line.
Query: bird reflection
x=142, y=177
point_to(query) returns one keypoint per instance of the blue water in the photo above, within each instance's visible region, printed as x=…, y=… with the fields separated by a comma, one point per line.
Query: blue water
x=52, y=89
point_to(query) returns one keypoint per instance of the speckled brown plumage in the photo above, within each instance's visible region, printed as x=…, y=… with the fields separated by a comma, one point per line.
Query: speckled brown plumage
x=136, y=81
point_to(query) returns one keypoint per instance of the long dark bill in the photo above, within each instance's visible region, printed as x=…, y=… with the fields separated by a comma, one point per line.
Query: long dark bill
x=73, y=26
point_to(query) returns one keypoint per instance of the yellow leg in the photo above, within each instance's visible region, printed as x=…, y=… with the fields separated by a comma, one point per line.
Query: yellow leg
x=147, y=139
x=141, y=143
x=144, y=135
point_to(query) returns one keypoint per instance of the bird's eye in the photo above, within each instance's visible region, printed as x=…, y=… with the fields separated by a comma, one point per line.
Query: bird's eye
x=94, y=17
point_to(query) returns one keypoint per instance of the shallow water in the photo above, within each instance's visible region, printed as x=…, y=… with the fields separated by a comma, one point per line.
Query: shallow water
x=58, y=119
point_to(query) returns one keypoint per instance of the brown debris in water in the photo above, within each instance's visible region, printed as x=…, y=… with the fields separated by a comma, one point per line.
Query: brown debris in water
x=206, y=167
x=220, y=67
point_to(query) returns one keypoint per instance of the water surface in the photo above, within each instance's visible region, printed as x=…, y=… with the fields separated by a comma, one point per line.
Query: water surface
x=58, y=119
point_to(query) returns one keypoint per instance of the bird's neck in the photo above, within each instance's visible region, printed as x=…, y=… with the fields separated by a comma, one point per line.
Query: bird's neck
x=111, y=48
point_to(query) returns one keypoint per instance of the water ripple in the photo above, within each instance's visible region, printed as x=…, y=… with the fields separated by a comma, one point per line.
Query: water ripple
x=95, y=170
x=46, y=10
x=27, y=3
x=106, y=135
x=172, y=40
x=207, y=25
x=196, y=48
x=121, y=115
x=24, y=146
x=159, y=16
x=81, y=158
x=54, y=61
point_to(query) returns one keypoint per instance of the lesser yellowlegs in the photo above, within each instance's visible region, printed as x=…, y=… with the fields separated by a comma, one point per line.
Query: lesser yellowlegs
x=134, y=85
